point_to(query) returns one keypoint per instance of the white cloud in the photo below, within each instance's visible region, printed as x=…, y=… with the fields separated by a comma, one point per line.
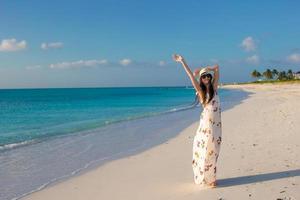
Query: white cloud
x=125, y=61
x=248, y=44
x=162, y=63
x=78, y=64
x=12, y=45
x=253, y=59
x=294, y=58
x=33, y=67
x=52, y=45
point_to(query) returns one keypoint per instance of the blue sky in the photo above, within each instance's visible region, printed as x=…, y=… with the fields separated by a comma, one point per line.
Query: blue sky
x=130, y=43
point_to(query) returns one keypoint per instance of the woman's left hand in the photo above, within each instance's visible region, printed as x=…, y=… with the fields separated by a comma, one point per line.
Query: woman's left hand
x=177, y=57
x=213, y=68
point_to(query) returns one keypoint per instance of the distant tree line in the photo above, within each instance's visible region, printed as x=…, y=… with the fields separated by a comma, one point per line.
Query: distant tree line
x=274, y=74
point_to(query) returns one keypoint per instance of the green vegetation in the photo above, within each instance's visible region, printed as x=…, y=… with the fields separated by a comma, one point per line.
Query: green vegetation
x=275, y=76
x=270, y=81
x=272, y=76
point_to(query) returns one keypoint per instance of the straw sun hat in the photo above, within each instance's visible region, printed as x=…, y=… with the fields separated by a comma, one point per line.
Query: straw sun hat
x=204, y=71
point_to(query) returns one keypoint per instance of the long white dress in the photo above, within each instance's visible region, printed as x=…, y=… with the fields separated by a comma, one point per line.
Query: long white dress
x=207, y=142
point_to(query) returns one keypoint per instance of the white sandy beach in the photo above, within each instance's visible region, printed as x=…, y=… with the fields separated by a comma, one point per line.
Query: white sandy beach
x=259, y=158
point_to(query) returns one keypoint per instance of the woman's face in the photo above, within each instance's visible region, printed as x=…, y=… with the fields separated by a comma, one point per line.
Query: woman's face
x=206, y=79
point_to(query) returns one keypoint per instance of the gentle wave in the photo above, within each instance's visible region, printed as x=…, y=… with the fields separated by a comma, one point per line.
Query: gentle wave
x=18, y=144
x=108, y=122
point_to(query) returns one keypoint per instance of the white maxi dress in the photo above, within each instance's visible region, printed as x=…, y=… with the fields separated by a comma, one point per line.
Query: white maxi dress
x=207, y=142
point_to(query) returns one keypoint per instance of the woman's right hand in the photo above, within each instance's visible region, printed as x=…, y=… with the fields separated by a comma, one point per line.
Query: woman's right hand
x=177, y=58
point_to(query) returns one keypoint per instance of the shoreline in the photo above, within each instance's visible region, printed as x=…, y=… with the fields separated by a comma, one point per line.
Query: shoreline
x=164, y=171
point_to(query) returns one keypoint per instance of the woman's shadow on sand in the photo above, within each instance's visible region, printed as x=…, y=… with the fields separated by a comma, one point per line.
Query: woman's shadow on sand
x=190, y=187
x=257, y=178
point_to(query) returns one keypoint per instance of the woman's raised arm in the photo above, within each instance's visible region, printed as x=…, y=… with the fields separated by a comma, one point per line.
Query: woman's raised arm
x=215, y=69
x=180, y=59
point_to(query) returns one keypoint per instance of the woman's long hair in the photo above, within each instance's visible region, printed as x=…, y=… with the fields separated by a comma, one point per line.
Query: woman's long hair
x=210, y=91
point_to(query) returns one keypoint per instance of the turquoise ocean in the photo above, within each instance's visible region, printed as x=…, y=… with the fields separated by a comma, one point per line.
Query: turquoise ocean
x=32, y=115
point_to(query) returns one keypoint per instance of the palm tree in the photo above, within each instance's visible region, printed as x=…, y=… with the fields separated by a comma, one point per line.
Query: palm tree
x=268, y=74
x=275, y=73
x=255, y=74
x=282, y=75
x=290, y=74
x=258, y=74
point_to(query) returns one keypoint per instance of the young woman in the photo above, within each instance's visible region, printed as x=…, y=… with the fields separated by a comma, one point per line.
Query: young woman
x=207, y=141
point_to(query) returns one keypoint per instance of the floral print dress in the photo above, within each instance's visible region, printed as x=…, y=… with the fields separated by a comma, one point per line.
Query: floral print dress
x=207, y=142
